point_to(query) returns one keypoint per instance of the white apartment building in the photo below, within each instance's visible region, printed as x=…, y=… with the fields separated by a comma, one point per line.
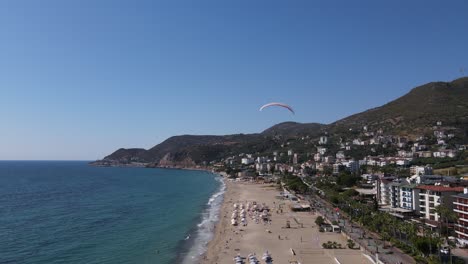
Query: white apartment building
x=329, y=159
x=295, y=158
x=421, y=170
x=460, y=207
x=431, y=196
x=323, y=140
x=352, y=165
x=383, y=191
x=402, y=162
x=317, y=157
x=394, y=191
x=247, y=161
x=340, y=155
x=409, y=197
x=321, y=150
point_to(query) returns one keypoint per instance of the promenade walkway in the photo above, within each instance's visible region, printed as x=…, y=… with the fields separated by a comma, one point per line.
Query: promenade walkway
x=370, y=242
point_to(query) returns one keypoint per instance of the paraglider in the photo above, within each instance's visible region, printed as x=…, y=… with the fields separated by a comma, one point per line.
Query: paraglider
x=277, y=104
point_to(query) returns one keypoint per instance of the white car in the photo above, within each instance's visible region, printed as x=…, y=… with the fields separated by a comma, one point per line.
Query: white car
x=445, y=250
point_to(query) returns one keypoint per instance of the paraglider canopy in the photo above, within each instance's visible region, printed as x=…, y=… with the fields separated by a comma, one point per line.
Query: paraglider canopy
x=277, y=104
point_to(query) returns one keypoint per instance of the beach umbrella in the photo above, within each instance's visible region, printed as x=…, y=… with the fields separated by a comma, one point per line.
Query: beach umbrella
x=267, y=258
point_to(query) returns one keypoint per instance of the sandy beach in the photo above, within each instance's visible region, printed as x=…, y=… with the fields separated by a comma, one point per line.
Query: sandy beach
x=303, y=236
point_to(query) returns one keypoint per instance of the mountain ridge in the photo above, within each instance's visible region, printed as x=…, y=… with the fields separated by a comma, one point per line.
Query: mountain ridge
x=413, y=113
x=421, y=107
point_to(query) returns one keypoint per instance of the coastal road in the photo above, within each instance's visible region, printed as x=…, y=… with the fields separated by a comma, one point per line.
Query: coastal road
x=371, y=242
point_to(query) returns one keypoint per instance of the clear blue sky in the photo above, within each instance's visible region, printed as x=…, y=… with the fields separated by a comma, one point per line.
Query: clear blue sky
x=79, y=79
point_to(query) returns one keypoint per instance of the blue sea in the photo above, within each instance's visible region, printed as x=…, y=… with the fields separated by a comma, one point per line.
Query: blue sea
x=70, y=212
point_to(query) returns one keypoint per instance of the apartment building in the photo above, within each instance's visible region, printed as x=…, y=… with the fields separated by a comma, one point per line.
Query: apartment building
x=383, y=191
x=430, y=196
x=409, y=197
x=460, y=207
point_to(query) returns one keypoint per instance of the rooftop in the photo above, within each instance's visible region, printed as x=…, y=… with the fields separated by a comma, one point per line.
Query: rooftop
x=412, y=185
x=440, y=188
x=401, y=210
x=366, y=191
x=462, y=195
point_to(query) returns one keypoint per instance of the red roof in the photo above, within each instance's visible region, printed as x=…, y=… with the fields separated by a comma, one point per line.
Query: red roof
x=440, y=188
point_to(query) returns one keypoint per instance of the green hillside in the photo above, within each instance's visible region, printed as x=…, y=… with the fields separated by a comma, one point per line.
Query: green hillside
x=415, y=113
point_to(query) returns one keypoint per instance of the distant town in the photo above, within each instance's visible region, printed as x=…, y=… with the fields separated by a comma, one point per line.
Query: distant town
x=392, y=179
x=423, y=181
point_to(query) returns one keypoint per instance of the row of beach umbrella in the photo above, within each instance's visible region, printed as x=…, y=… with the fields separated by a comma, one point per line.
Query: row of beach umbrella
x=252, y=259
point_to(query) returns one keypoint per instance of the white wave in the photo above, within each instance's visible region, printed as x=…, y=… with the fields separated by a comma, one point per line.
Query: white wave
x=205, y=230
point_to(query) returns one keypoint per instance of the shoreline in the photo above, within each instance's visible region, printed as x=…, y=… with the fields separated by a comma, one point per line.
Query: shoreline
x=302, y=237
x=99, y=163
x=195, y=245
x=220, y=227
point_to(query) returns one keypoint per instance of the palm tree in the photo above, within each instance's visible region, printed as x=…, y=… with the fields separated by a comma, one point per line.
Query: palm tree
x=334, y=244
x=412, y=235
x=386, y=227
x=446, y=215
x=385, y=237
x=377, y=221
x=449, y=216
x=423, y=224
x=394, y=224
x=431, y=237
x=397, y=227
x=438, y=241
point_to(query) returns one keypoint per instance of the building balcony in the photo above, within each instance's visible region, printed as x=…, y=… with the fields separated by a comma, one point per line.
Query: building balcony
x=462, y=204
x=460, y=211
x=461, y=233
x=461, y=226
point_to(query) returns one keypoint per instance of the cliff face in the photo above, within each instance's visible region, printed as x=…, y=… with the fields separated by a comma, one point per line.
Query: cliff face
x=124, y=157
x=415, y=112
x=188, y=150
x=170, y=161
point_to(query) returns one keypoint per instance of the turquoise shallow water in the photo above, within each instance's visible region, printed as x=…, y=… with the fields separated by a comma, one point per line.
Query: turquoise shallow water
x=69, y=212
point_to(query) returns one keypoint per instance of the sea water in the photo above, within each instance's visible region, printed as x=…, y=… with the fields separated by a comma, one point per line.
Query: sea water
x=70, y=212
